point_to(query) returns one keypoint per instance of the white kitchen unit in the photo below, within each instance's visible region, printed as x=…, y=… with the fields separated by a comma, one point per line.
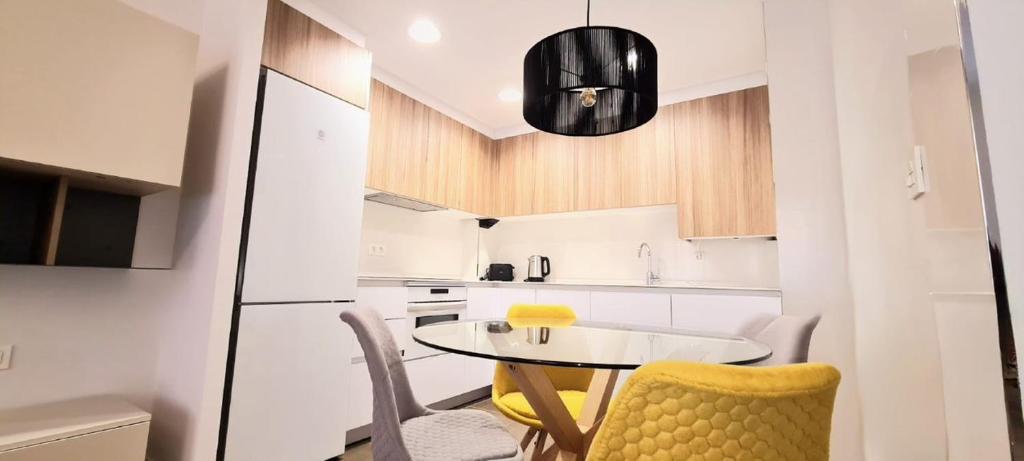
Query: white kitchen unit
x=481, y=303
x=390, y=301
x=631, y=307
x=493, y=303
x=290, y=355
x=508, y=297
x=307, y=196
x=721, y=313
x=291, y=375
x=578, y=300
x=88, y=429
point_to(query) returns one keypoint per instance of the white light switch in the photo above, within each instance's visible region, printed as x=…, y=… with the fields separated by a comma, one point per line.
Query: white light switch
x=5, y=356
x=917, y=174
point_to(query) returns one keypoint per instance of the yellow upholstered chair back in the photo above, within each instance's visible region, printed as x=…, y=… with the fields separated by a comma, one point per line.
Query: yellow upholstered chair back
x=690, y=411
x=564, y=379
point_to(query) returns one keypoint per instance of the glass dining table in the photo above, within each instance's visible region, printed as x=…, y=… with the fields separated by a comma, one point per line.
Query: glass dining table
x=526, y=346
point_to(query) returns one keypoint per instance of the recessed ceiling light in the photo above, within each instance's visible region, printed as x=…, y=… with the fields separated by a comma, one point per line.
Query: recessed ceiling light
x=510, y=95
x=424, y=31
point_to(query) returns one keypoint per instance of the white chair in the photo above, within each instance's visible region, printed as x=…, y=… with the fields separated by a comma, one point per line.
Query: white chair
x=404, y=430
x=788, y=335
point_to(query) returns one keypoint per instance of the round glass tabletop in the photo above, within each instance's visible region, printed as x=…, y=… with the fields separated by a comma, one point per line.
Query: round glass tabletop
x=586, y=344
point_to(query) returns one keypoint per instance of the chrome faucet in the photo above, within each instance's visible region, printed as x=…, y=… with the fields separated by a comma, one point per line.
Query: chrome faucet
x=650, y=278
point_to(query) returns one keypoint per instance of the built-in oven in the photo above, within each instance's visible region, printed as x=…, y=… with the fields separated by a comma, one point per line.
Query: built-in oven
x=428, y=305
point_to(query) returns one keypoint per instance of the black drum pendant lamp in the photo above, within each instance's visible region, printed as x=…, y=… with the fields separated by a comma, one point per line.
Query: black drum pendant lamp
x=590, y=81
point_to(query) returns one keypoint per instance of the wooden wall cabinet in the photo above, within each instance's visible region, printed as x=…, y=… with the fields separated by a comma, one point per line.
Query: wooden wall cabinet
x=724, y=166
x=711, y=156
x=95, y=90
x=419, y=153
x=303, y=49
x=515, y=175
x=554, y=175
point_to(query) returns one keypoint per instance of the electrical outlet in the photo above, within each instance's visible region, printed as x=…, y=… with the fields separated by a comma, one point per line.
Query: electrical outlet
x=5, y=356
x=378, y=249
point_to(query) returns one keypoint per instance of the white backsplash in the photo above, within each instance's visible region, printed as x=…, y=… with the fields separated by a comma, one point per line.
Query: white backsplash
x=602, y=246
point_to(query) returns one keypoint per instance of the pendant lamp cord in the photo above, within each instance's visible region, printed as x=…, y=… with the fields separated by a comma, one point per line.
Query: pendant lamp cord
x=588, y=13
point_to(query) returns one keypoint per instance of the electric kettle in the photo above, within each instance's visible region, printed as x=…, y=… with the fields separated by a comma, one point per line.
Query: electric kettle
x=540, y=267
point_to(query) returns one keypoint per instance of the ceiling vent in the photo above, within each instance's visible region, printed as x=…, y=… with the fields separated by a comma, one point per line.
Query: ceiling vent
x=402, y=202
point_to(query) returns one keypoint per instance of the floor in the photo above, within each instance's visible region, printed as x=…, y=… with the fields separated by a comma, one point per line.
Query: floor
x=362, y=452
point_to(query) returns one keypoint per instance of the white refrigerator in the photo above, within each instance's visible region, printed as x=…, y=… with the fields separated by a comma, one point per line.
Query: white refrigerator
x=289, y=354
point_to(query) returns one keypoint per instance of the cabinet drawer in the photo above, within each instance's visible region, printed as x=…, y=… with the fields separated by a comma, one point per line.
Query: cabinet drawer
x=437, y=378
x=578, y=300
x=389, y=301
x=125, y=443
x=721, y=313
x=650, y=309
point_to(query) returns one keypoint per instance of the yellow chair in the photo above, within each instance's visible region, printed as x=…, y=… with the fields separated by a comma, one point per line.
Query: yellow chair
x=571, y=383
x=694, y=411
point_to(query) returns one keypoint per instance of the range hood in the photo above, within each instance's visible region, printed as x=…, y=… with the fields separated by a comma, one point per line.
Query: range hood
x=401, y=202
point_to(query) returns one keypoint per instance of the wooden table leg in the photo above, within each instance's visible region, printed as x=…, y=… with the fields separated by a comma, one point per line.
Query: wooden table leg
x=538, y=390
x=572, y=438
x=599, y=395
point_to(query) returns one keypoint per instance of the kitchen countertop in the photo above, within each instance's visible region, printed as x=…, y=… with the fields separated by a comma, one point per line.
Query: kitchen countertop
x=665, y=285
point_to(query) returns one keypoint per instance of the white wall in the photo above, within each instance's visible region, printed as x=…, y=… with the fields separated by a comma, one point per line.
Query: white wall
x=435, y=244
x=809, y=197
x=897, y=353
x=82, y=331
x=602, y=246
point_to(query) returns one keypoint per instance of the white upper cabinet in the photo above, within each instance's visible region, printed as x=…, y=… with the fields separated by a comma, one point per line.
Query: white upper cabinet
x=307, y=197
x=634, y=308
x=719, y=313
x=95, y=87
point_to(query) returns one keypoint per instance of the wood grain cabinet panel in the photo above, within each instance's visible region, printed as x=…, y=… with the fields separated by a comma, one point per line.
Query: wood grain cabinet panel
x=474, y=191
x=399, y=131
x=516, y=175
x=723, y=161
x=301, y=48
x=599, y=172
x=554, y=174
x=443, y=160
x=648, y=162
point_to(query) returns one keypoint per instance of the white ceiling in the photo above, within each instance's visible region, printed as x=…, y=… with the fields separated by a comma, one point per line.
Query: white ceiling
x=483, y=43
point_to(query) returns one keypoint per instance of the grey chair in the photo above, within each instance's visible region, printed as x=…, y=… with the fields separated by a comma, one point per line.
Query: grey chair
x=788, y=335
x=404, y=430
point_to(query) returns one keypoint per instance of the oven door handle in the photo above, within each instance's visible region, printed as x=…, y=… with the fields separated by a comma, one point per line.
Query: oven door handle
x=436, y=306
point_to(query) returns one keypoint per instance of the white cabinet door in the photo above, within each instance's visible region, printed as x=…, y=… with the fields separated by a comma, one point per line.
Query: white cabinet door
x=437, y=377
x=360, y=397
x=479, y=372
x=481, y=303
x=508, y=297
x=391, y=302
x=721, y=313
x=291, y=375
x=634, y=308
x=578, y=300
x=307, y=198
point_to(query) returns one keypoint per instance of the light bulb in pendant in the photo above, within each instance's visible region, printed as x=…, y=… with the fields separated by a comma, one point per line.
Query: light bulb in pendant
x=588, y=97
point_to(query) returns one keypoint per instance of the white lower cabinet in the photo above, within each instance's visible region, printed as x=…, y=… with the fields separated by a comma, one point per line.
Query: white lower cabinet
x=481, y=303
x=360, y=397
x=438, y=377
x=479, y=372
x=578, y=300
x=508, y=297
x=717, y=313
x=632, y=308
